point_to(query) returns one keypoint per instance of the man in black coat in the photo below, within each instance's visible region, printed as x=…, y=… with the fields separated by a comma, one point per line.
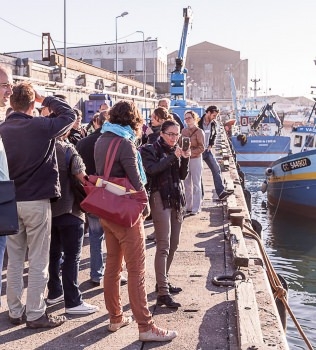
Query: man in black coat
x=30, y=147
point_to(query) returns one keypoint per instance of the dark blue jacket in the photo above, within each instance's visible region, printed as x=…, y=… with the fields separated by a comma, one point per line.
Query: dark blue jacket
x=30, y=147
x=85, y=148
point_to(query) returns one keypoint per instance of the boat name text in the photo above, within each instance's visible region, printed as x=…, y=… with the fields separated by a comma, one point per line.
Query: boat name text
x=263, y=141
x=295, y=164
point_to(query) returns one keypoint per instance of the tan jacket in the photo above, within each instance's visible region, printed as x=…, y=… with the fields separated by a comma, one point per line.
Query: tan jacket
x=197, y=138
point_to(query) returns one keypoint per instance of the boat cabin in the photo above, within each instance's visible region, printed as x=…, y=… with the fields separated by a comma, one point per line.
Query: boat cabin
x=303, y=138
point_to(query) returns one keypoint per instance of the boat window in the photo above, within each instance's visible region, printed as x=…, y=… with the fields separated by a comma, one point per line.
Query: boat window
x=298, y=141
x=309, y=142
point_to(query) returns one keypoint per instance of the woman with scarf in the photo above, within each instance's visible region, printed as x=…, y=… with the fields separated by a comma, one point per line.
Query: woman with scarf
x=166, y=166
x=129, y=243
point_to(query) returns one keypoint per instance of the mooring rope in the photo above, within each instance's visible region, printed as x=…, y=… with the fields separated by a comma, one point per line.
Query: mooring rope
x=279, y=291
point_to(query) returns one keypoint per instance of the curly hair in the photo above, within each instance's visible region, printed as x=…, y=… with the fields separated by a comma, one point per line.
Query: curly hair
x=126, y=113
x=193, y=114
x=23, y=95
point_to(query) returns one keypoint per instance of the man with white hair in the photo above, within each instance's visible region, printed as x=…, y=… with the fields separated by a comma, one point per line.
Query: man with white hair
x=165, y=102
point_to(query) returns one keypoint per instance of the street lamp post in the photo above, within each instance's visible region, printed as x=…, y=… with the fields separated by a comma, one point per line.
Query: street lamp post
x=65, y=42
x=143, y=59
x=116, y=53
x=155, y=61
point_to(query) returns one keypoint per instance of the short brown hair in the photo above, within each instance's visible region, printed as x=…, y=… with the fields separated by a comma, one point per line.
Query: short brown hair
x=23, y=95
x=162, y=113
x=126, y=113
x=165, y=125
x=212, y=109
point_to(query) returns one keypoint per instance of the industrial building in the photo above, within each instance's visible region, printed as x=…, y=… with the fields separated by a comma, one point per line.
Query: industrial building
x=209, y=67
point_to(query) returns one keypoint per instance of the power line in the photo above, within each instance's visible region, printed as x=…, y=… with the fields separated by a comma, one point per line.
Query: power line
x=59, y=41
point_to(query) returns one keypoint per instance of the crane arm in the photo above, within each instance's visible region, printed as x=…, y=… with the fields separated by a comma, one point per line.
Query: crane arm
x=234, y=97
x=187, y=26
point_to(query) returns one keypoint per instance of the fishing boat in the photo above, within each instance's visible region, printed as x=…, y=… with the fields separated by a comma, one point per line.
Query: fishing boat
x=256, y=137
x=291, y=180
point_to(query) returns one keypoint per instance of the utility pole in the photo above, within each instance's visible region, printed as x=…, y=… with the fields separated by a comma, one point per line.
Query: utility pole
x=255, y=89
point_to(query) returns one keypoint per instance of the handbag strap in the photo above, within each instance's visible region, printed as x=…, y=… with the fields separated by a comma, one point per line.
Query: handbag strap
x=110, y=155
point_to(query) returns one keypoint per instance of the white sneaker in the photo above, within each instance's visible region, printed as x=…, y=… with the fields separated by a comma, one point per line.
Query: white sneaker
x=82, y=309
x=157, y=334
x=113, y=327
x=56, y=300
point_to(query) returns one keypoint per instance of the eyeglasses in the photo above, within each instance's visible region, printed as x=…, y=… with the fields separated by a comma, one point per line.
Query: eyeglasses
x=171, y=134
x=6, y=85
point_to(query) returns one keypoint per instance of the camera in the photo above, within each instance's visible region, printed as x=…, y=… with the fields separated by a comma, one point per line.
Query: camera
x=185, y=143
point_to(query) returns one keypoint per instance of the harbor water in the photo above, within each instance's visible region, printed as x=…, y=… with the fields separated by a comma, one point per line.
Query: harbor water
x=291, y=245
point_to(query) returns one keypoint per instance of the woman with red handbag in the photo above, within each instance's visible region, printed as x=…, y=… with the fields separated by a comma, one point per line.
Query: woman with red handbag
x=126, y=242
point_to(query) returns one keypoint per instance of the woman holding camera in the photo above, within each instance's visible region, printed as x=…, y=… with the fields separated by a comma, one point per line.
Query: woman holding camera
x=166, y=166
x=193, y=184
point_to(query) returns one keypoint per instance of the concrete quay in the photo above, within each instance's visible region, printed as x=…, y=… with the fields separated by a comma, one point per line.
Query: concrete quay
x=212, y=317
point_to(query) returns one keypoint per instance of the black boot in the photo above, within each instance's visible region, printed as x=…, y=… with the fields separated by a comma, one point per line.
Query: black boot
x=168, y=301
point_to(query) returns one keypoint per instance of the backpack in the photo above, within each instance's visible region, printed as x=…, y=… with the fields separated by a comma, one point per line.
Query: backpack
x=75, y=185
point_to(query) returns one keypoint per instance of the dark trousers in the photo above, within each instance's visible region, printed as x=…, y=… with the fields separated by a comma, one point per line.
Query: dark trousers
x=66, y=240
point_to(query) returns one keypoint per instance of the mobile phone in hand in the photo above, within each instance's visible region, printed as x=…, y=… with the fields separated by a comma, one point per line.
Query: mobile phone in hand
x=185, y=143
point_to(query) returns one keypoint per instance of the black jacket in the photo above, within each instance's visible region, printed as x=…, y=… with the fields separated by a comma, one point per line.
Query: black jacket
x=85, y=148
x=213, y=131
x=155, y=166
x=30, y=147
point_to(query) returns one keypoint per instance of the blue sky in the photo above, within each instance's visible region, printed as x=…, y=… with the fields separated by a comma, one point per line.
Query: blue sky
x=276, y=36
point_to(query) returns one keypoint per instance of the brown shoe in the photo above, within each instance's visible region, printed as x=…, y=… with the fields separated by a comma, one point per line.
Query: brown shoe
x=16, y=321
x=46, y=321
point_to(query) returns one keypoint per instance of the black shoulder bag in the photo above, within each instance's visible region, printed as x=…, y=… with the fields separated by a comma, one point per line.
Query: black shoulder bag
x=9, y=223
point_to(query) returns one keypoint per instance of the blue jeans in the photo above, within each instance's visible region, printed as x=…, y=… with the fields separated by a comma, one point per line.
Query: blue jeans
x=67, y=238
x=96, y=237
x=212, y=163
x=3, y=241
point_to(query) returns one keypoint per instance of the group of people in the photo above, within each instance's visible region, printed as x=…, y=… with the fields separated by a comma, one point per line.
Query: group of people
x=51, y=224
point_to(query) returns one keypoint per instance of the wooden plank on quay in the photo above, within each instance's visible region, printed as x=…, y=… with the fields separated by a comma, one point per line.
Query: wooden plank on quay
x=248, y=321
x=239, y=250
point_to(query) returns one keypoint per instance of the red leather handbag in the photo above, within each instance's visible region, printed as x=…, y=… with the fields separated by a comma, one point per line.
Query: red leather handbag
x=114, y=199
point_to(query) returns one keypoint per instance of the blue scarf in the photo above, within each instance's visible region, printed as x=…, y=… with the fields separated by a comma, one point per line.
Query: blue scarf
x=127, y=133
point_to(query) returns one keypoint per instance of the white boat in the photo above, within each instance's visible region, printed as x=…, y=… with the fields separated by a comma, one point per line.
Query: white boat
x=256, y=137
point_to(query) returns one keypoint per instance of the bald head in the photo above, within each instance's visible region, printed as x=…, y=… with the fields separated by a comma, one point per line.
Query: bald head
x=6, y=82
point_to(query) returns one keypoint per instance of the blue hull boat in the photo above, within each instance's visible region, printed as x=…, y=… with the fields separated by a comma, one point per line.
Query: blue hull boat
x=291, y=180
x=292, y=184
x=260, y=150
